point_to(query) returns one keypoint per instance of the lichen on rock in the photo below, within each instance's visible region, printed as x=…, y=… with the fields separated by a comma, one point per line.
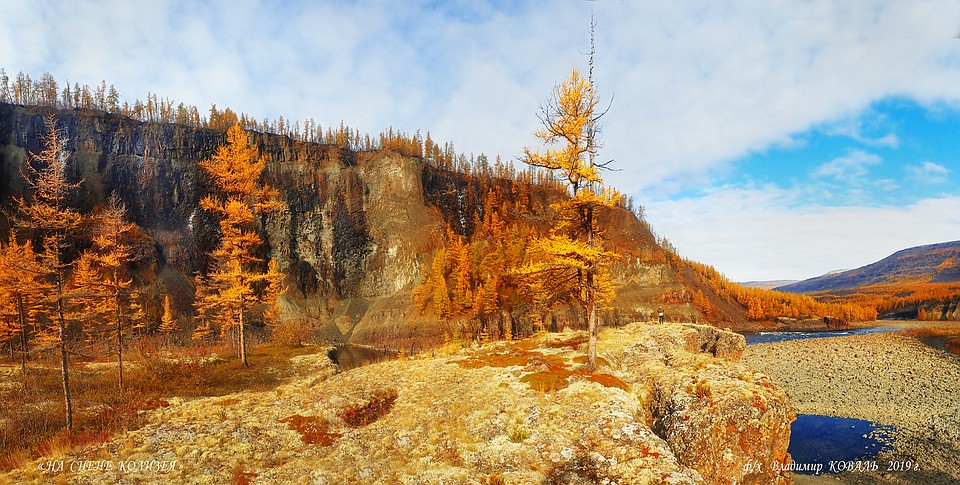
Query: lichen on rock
x=684, y=416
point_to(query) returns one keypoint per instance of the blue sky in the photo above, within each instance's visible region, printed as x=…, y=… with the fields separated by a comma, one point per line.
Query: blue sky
x=895, y=152
x=773, y=140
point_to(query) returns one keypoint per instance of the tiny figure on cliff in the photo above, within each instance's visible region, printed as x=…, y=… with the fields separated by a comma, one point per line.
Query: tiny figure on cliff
x=661, y=315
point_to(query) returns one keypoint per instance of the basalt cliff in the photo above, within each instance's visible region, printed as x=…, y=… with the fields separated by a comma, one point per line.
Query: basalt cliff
x=354, y=234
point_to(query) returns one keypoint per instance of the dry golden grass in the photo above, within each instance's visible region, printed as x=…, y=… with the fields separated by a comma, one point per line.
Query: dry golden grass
x=518, y=357
x=550, y=372
x=292, y=333
x=948, y=337
x=32, y=419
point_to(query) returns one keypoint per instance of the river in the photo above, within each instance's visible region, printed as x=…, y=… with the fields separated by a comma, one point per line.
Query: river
x=769, y=337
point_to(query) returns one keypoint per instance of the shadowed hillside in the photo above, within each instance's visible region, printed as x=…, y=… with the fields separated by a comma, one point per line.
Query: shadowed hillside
x=356, y=232
x=921, y=283
x=935, y=263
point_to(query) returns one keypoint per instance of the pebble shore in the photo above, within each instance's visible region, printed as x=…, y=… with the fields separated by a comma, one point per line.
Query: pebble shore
x=889, y=378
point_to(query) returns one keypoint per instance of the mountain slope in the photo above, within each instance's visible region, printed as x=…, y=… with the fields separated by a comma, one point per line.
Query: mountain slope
x=768, y=285
x=934, y=263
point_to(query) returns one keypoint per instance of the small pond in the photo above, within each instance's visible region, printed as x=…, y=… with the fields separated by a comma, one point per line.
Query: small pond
x=822, y=439
x=350, y=356
x=769, y=337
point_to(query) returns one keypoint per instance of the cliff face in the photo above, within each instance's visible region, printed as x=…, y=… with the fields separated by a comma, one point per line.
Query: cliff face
x=935, y=309
x=350, y=228
x=353, y=233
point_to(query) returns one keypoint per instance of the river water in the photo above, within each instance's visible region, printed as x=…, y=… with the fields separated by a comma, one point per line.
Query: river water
x=816, y=441
x=769, y=337
x=819, y=440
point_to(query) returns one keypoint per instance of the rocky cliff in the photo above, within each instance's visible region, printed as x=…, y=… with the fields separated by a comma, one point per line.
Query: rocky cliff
x=944, y=308
x=352, y=236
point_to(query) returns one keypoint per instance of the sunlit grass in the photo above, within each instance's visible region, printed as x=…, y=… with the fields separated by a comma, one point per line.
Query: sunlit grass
x=503, y=412
x=949, y=337
x=32, y=419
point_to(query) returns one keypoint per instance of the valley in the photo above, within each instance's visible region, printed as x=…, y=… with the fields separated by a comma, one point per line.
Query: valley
x=479, y=243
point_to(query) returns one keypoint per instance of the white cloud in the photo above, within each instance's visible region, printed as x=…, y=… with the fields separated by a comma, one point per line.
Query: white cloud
x=696, y=85
x=738, y=78
x=763, y=234
x=853, y=129
x=928, y=173
x=851, y=169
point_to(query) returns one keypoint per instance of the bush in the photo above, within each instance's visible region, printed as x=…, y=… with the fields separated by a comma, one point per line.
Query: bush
x=314, y=430
x=380, y=404
x=493, y=480
x=518, y=434
x=292, y=333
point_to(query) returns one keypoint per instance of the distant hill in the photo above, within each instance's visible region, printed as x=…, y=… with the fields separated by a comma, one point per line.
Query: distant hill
x=768, y=284
x=934, y=263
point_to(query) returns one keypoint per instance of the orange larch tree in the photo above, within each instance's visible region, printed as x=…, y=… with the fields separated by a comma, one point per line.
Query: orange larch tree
x=571, y=263
x=238, y=282
x=20, y=294
x=101, y=282
x=49, y=219
x=168, y=321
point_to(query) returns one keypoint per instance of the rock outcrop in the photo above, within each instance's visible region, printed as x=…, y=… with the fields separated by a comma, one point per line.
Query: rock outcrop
x=662, y=408
x=810, y=324
x=719, y=343
x=717, y=416
x=934, y=309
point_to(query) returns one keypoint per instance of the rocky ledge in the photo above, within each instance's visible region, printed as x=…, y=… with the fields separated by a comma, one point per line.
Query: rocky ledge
x=669, y=404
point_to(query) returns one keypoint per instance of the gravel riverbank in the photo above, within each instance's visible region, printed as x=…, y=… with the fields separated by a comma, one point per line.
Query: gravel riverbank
x=890, y=379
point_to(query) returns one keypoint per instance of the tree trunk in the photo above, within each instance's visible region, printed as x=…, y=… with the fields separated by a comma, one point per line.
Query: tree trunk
x=64, y=363
x=592, y=327
x=65, y=374
x=119, y=348
x=243, y=341
x=117, y=302
x=22, y=316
